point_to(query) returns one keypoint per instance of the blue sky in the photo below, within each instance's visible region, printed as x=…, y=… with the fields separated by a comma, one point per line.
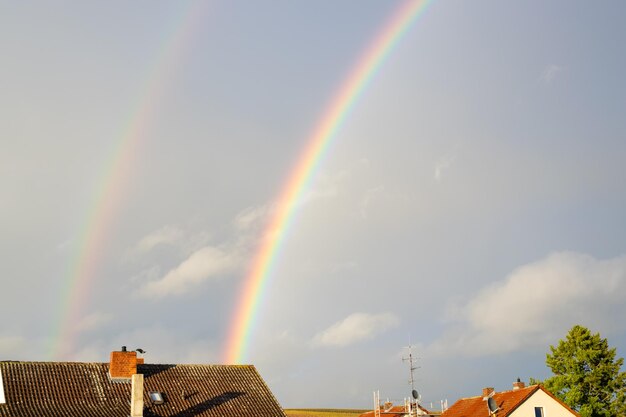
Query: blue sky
x=471, y=204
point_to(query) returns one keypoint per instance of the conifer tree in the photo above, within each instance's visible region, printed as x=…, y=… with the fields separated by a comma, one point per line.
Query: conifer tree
x=587, y=377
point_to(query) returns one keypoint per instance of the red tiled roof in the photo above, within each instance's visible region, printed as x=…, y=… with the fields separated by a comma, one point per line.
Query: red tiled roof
x=72, y=389
x=507, y=401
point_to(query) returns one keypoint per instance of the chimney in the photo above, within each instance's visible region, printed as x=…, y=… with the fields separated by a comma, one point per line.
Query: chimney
x=136, y=396
x=2, y=399
x=123, y=365
x=487, y=391
x=518, y=384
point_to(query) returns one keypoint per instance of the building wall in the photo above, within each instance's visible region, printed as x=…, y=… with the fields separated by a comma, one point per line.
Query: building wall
x=551, y=407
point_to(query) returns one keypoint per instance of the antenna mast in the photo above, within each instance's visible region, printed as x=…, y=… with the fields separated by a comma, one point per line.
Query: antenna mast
x=414, y=394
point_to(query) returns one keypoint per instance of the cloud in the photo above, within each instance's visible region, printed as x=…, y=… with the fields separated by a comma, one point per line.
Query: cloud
x=369, y=196
x=167, y=235
x=201, y=263
x=355, y=328
x=253, y=217
x=443, y=164
x=204, y=264
x=149, y=274
x=93, y=321
x=550, y=72
x=537, y=303
x=326, y=186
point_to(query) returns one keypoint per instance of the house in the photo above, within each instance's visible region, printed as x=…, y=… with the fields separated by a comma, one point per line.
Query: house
x=521, y=401
x=128, y=387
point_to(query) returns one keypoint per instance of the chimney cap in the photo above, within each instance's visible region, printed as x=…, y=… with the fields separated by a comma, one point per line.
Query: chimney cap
x=123, y=348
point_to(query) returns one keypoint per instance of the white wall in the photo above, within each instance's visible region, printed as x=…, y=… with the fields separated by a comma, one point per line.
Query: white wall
x=551, y=407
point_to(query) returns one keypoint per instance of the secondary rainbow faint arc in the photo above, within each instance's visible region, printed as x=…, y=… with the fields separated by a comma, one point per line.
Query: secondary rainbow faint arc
x=116, y=172
x=318, y=142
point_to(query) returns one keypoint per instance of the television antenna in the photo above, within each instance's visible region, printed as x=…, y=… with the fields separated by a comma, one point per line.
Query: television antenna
x=415, y=395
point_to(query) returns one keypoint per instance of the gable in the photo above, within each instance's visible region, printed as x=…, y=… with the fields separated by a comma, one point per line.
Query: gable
x=551, y=407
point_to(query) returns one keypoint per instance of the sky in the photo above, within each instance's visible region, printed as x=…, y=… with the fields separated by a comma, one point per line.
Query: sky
x=471, y=204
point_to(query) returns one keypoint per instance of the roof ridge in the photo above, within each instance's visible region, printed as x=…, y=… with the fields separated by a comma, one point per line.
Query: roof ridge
x=106, y=363
x=518, y=389
x=471, y=398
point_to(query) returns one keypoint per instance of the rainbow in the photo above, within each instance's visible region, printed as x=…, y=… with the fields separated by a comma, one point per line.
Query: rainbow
x=111, y=188
x=316, y=146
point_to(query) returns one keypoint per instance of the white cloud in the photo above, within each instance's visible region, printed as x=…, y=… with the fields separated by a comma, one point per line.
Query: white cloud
x=253, y=217
x=443, y=164
x=205, y=263
x=537, y=303
x=65, y=246
x=550, y=72
x=93, y=321
x=167, y=235
x=326, y=186
x=149, y=274
x=370, y=195
x=355, y=328
x=201, y=263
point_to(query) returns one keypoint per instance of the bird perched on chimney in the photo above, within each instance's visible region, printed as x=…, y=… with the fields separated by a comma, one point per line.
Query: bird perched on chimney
x=140, y=351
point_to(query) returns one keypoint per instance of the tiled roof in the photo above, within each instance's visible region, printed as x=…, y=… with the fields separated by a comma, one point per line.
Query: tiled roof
x=73, y=389
x=507, y=402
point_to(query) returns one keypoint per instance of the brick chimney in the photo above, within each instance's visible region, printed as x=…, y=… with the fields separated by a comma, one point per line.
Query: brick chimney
x=518, y=384
x=487, y=391
x=123, y=365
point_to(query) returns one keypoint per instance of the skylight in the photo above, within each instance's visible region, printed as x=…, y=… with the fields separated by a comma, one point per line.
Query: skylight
x=156, y=397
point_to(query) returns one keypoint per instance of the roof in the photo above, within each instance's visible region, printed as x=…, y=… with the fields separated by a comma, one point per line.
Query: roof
x=394, y=411
x=74, y=389
x=507, y=402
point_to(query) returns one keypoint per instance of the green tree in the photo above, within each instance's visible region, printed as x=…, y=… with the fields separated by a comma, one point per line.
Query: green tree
x=587, y=377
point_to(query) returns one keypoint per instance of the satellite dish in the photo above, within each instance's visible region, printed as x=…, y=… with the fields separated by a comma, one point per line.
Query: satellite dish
x=415, y=394
x=493, y=407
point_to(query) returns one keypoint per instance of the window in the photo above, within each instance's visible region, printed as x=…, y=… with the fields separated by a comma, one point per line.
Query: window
x=538, y=411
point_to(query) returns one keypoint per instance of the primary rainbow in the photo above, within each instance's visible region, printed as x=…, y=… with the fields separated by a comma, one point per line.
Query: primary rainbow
x=318, y=142
x=113, y=182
